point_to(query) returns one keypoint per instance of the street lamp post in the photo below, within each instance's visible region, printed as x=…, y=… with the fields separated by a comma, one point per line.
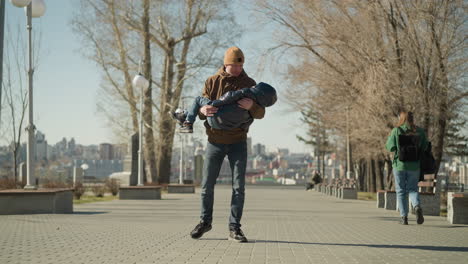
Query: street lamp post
x=348, y=147
x=84, y=167
x=2, y=30
x=34, y=8
x=181, y=160
x=181, y=171
x=139, y=81
x=182, y=166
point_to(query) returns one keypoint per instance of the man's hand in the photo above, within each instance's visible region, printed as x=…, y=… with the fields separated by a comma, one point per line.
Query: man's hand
x=208, y=110
x=245, y=103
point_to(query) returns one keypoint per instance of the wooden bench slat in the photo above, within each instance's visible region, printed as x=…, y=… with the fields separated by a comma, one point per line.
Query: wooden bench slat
x=426, y=193
x=459, y=195
x=426, y=184
x=429, y=176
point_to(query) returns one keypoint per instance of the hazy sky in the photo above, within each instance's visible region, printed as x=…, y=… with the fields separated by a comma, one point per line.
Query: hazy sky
x=66, y=84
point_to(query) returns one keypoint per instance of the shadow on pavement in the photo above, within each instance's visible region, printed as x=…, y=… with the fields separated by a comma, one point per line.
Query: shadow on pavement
x=389, y=218
x=431, y=248
x=396, y=219
x=89, y=213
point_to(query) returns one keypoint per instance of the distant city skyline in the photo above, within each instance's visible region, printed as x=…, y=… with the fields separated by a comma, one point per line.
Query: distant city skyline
x=42, y=144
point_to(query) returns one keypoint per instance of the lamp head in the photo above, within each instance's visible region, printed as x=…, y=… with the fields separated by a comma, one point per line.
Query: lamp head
x=139, y=81
x=20, y=3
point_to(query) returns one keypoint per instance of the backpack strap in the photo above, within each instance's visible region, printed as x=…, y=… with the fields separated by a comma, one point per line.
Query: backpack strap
x=401, y=130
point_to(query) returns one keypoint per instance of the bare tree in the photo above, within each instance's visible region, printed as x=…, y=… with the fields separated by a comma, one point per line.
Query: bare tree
x=374, y=58
x=175, y=42
x=317, y=135
x=108, y=43
x=176, y=46
x=16, y=92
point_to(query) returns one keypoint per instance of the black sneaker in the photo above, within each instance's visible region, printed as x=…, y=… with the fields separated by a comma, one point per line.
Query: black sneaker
x=179, y=115
x=404, y=220
x=200, y=229
x=186, y=128
x=419, y=215
x=237, y=235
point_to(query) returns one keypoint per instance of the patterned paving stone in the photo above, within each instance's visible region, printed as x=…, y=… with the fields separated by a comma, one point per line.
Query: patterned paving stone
x=284, y=225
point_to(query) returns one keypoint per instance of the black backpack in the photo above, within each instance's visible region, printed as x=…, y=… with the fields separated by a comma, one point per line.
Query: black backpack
x=408, y=146
x=428, y=164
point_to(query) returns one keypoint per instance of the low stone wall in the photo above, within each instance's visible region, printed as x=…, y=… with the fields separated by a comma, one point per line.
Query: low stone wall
x=430, y=203
x=349, y=193
x=42, y=201
x=390, y=200
x=140, y=193
x=381, y=199
x=457, y=208
x=181, y=188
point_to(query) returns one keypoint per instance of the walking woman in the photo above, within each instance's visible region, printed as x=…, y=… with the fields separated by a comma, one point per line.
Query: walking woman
x=407, y=141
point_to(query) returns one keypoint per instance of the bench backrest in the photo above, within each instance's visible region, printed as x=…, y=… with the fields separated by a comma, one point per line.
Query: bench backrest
x=429, y=185
x=344, y=182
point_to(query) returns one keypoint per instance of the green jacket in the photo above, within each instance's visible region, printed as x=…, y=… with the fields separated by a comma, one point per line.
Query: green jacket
x=392, y=145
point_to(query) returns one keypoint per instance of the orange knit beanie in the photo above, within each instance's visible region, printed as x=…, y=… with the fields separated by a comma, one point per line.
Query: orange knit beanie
x=233, y=55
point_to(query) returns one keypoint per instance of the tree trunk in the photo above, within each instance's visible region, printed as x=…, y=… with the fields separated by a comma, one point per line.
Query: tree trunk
x=443, y=101
x=15, y=164
x=367, y=175
x=359, y=169
x=372, y=187
x=149, y=148
x=390, y=180
x=323, y=165
x=379, y=174
x=125, y=68
x=319, y=165
x=166, y=139
x=166, y=125
x=427, y=113
x=440, y=133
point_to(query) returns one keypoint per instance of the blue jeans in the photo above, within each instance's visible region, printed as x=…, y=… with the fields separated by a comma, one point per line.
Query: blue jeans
x=406, y=184
x=237, y=155
x=192, y=112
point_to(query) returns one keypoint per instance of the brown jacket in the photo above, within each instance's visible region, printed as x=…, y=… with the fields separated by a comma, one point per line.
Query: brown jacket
x=217, y=85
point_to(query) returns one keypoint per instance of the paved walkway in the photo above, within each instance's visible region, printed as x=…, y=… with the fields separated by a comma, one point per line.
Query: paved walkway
x=284, y=225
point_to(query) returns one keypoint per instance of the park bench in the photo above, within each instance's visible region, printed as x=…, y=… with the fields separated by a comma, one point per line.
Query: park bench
x=317, y=187
x=322, y=187
x=339, y=183
x=429, y=195
x=386, y=199
x=457, y=208
x=334, y=187
x=339, y=187
x=342, y=188
x=348, y=189
x=328, y=188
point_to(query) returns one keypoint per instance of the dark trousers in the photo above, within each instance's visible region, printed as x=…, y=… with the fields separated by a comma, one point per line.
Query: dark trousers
x=237, y=155
x=192, y=112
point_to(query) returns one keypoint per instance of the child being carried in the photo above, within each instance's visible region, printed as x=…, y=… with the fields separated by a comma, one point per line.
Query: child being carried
x=229, y=115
